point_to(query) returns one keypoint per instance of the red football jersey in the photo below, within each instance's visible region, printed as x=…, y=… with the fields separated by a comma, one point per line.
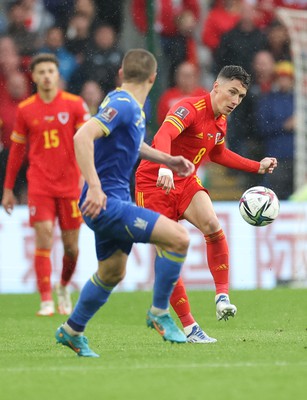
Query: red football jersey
x=48, y=130
x=190, y=129
x=196, y=133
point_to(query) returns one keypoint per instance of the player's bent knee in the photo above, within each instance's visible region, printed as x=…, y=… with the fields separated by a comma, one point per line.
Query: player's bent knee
x=71, y=250
x=170, y=236
x=113, y=270
x=212, y=225
x=181, y=241
x=110, y=277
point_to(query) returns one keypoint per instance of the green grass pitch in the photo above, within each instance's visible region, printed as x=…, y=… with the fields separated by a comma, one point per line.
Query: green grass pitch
x=261, y=354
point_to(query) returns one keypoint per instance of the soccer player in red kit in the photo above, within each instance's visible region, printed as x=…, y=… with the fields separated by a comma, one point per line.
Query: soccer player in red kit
x=195, y=127
x=45, y=125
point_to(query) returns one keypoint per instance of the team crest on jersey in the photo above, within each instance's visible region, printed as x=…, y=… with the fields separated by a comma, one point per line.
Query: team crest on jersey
x=218, y=137
x=63, y=117
x=140, y=223
x=182, y=112
x=109, y=113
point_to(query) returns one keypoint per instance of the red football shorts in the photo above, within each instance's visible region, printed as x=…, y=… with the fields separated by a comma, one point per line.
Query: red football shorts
x=44, y=208
x=172, y=205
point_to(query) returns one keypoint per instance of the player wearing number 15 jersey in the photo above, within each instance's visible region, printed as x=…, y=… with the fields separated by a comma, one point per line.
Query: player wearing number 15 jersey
x=45, y=126
x=196, y=128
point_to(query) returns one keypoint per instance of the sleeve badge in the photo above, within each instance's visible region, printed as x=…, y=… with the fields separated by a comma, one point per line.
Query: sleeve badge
x=181, y=112
x=108, y=114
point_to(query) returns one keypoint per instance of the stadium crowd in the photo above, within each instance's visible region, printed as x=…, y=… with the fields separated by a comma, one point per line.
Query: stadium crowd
x=196, y=39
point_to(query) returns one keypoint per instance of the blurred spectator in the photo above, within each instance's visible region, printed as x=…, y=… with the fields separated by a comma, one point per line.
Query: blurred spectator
x=92, y=94
x=36, y=17
x=186, y=26
x=17, y=86
x=175, y=22
x=276, y=128
x=101, y=63
x=263, y=72
x=78, y=35
x=242, y=127
x=265, y=12
x=239, y=45
x=54, y=43
x=27, y=41
x=9, y=58
x=87, y=8
x=187, y=84
x=223, y=16
x=61, y=11
x=10, y=62
x=278, y=41
x=110, y=12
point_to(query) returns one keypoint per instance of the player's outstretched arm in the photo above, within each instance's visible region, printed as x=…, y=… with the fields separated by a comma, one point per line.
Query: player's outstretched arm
x=179, y=164
x=267, y=165
x=84, y=149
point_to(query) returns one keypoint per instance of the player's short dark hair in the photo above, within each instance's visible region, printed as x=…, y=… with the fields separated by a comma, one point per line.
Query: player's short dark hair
x=43, y=57
x=232, y=72
x=138, y=65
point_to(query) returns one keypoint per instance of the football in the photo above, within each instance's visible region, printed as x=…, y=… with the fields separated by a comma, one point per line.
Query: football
x=259, y=206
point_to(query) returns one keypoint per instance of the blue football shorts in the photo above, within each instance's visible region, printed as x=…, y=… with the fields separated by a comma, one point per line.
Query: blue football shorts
x=121, y=225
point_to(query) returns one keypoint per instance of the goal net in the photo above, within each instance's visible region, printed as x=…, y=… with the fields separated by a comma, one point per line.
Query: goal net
x=296, y=23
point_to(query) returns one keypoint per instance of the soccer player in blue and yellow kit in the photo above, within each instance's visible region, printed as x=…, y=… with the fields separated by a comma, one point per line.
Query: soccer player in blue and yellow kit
x=107, y=148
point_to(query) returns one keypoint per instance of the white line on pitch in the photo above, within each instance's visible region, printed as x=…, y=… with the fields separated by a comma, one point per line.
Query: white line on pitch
x=144, y=366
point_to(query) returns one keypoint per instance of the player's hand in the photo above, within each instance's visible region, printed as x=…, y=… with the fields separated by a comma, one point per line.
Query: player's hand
x=95, y=201
x=267, y=165
x=166, y=182
x=8, y=200
x=181, y=165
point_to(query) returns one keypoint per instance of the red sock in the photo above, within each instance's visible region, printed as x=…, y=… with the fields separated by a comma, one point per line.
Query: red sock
x=180, y=303
x=217, y=255
x=69, y=266
x=42, y=265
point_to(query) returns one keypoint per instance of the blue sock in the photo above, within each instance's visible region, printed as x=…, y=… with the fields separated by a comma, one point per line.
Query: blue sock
x=167, y=271
x=93, y=295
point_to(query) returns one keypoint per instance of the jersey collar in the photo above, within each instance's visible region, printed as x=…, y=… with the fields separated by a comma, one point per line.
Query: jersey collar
x=119, y=89
x=46, y=104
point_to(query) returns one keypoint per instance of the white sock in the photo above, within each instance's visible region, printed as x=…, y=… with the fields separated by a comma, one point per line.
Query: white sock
x=158, y=311
x=71, y=331
x=221, y=294
x=188, y=329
